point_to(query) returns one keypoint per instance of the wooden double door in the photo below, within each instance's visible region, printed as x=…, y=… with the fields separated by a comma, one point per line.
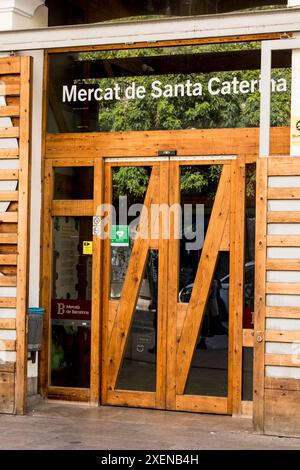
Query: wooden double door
x=173, y=283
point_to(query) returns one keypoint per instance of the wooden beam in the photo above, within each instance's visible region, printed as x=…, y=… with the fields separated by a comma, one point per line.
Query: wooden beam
x=75, y=207
x=10, y=65
x=282, y=336
x=8, y=259
x=8, y=281
x=9, y=89
x=283, y=288
x=283, y=264
x=9, y=132
x=7, y=324
x=260, y=293
x=9, y=196
x=9, y=153
x=9, y=217
x=9, y=111
x=23, y=235
x=7, y=175
x=7, y=345
x=283, y=217
x=283, y=193
x=7, y=302
x=285, y=166
x=282, y=360
x=283, y=240
x=283, y=312
x=8, y=238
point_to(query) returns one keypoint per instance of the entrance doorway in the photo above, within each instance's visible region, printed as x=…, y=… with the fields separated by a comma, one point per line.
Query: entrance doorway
x=173, y=291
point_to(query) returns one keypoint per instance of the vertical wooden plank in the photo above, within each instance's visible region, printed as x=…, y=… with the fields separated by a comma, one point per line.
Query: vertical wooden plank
x=96, y=290
x=173, y=281
x=106, y=291
x=46, y=281
x=23, y=236
x=237, y=287
x=260, y=293
x=161, y=369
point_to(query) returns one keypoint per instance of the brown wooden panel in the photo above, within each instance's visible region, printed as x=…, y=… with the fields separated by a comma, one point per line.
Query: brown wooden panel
x=260, y=293
x=7, y=281
x=7, y=175
x=9, y=111
x=248, y=338
x=9, y=153
x=283, y=193
x=75, y=207
x=7, y=367
x=8, y=259
x=282, y=412
x=7, y=392
x=10, y=65
x=131, y=398
x=284, y=360
x=196, y=403
x=283, y=312
x=203, y=280
x=283, y=288
x=282, y=336
x=9, y=132
x=12, y=89
x=9, y=196
x=282, y=384
x=283, y=264
x=283, y=217
x=7, y=324
x=69, y=394
x=8, y=238
x=7, y=302
x=283, y=240
x=7, y=345
x=187, y=142
x=9, y=217
x=285, y=166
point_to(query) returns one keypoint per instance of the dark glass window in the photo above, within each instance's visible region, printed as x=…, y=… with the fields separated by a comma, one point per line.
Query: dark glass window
x=171, y=88
x=71, y=302
x=74, y=182
x=80, y=11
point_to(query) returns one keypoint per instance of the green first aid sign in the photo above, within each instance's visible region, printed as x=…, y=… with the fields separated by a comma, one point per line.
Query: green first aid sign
x=119, y=235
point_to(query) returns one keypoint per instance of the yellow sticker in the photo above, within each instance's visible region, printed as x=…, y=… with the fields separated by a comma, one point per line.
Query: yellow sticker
x=87, y=248
x=295, y=130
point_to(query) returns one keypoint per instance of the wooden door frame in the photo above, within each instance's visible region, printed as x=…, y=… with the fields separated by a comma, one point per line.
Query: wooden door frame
x=76, y=208
x=232, y=404
x=59, y=150
x=129, y=397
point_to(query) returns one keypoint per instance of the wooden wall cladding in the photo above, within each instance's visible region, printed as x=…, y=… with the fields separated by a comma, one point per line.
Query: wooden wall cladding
x=277, y=297
x=15, y=73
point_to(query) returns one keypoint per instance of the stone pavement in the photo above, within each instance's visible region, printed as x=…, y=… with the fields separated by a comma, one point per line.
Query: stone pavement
x=63, y=426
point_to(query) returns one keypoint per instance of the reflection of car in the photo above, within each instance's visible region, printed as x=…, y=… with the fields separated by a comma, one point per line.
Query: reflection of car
x=186, y=292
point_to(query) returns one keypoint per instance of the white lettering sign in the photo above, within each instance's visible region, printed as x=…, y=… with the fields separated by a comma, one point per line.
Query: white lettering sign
x=215, y=86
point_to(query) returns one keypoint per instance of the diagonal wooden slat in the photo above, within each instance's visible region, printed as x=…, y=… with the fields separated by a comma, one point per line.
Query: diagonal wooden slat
x=203, y=280
x=7, y=324
x=131, y=287
x=9, y=175
x=8, y=238
x=8, y=281
x=9, y=196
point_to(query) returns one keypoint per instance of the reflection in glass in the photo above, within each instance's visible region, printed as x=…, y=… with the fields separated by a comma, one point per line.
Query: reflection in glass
x=71, y=302
x=209, y=368
x=138, y=369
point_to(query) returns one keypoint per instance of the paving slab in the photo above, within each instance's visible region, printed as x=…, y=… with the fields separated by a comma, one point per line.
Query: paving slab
x=63, y=426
